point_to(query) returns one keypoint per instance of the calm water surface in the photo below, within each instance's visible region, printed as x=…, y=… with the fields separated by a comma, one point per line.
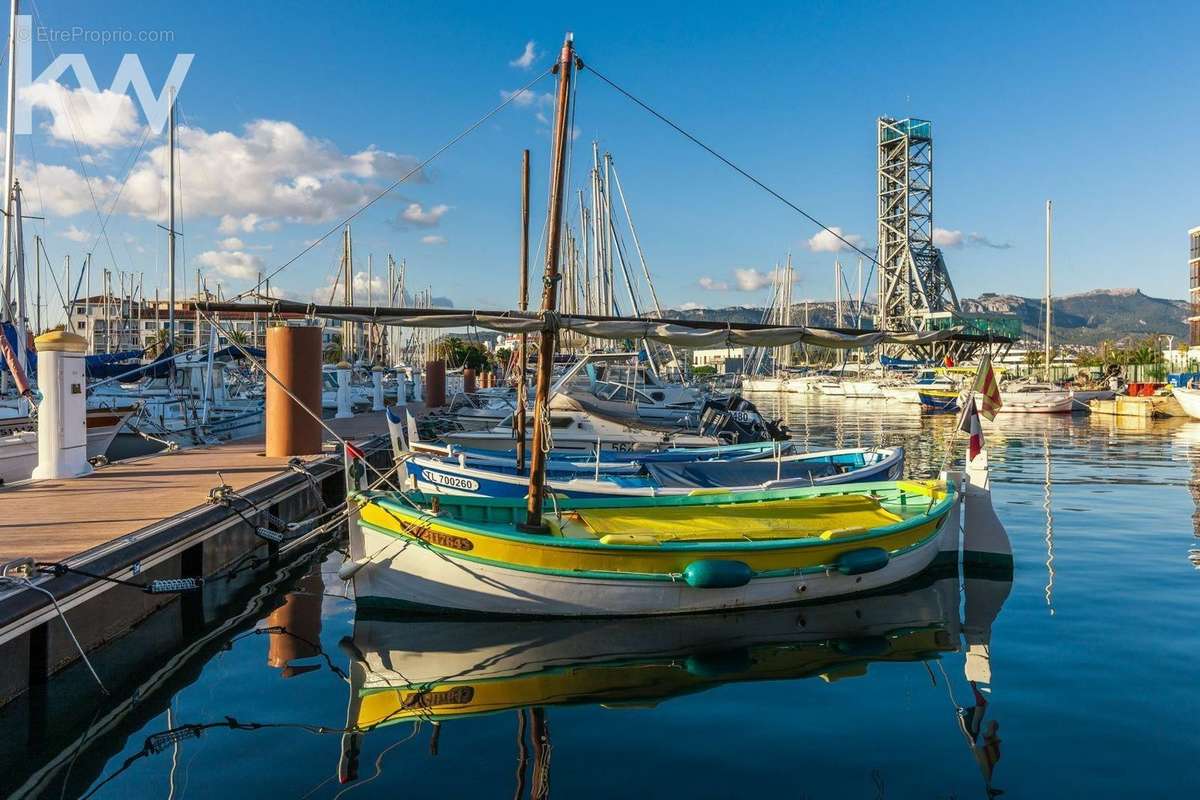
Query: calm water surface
x=1092, y=693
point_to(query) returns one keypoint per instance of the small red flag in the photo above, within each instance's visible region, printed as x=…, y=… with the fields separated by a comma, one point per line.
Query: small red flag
x=969, y=424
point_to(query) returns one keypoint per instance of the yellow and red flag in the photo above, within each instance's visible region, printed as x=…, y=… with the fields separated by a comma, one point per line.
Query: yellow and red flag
x=987, y=389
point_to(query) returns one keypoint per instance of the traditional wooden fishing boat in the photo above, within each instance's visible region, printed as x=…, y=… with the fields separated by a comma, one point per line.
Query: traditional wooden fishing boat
x=709, y=550
x=938, y=400
x=462, y=476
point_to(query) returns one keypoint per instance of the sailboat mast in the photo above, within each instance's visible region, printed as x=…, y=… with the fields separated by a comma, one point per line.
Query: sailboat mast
x=10, y=141
x=523, y=304
x=837, y=292
x=858, y=297
x=37, y=260
x=1049, y=255
x=20, y=316
x=541, y=410
x=170, y=224
x=354, y=333
x=346, y=330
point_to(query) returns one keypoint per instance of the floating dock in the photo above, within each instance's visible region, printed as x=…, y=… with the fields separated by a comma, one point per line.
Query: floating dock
x=153, y=518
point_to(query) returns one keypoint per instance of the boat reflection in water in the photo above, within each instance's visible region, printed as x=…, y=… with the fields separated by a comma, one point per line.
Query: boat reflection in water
x=410, y=670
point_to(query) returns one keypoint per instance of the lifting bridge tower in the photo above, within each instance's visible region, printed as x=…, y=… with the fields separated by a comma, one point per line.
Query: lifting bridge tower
x=915, y=291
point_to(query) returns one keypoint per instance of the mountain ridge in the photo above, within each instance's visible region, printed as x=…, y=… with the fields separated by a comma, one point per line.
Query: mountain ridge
x=1082, y=318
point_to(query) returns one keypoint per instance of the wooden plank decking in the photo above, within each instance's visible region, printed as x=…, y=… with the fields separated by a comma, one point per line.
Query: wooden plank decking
x=53, y=520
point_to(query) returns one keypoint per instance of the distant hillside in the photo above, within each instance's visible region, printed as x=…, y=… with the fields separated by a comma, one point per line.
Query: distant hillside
x=1087, y=318
x=1092, y=317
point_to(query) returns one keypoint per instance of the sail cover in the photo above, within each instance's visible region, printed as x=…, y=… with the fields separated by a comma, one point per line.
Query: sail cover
x=680, y=333
x=714, y=474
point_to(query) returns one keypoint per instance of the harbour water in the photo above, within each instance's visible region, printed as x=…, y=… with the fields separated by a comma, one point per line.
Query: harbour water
x=1091, y=657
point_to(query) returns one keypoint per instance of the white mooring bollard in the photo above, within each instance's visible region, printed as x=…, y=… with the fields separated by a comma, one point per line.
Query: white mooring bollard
x=401, y=388
x=377, y=388
x=344, y=411
x=62, y=414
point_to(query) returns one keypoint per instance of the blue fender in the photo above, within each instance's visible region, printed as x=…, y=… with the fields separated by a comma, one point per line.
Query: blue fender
x=717, y=574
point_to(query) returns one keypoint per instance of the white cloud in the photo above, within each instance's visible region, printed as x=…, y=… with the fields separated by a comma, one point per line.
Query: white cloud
x=983, y=241
x=269, y=172
x=525, y=60
x=824, y=241
x=232, y=243
x=92, y=119
x=247, y=224
x=433, y=239
x=528, y=98
x=322, y=294
x=415, y=214
x=947, y=238
x=62, y=190
x=235, y=264
x=76, y=235
x=712, y=285
x=751, y=280
x=691, y=306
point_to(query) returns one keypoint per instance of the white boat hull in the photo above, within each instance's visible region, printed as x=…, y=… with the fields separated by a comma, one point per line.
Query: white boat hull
x=19, y=449
x=420, y=578
x=1036, y=402
x=864, y=390
x=1189, y=399
x=763, y=384
x=902, y=394
x=801, y=385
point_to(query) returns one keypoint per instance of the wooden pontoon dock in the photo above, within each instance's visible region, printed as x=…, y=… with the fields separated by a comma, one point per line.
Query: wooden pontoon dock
x=144, y=519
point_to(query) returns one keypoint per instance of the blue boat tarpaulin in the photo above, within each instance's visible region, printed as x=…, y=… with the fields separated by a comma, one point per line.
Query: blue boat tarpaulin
x=714, y=474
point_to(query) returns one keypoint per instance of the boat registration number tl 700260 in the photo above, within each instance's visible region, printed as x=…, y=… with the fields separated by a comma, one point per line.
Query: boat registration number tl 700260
x=451, y=481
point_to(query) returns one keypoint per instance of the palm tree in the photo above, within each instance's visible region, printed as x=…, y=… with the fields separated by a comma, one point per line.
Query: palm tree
x=238, y=337
x=157, y=344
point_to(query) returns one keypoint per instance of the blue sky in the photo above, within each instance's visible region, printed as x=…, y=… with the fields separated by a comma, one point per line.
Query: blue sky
x=294, y=117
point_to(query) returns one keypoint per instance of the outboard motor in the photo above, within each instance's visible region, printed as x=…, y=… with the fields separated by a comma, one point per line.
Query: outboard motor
x=738, y=421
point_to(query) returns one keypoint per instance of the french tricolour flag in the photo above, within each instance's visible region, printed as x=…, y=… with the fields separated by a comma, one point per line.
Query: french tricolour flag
x=968, y=423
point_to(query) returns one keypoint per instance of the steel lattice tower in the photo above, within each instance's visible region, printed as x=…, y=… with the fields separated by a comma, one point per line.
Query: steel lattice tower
x=914, y=285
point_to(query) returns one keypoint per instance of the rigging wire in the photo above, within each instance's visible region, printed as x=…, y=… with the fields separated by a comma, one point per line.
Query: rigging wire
x=117, y=199
x=711, y=151
x=415, y=170
x=87, y=179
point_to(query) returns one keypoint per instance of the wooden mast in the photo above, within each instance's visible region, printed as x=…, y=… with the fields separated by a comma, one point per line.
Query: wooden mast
x=537, y=462
x=523, y=300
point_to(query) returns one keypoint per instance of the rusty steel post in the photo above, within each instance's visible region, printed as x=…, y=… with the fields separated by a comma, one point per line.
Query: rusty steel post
x=293, y=356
